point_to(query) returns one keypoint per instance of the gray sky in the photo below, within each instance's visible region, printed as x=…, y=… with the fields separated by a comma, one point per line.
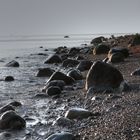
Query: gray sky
x=29, y=17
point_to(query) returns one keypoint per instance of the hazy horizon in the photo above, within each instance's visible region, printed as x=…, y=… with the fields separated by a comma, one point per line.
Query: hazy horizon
x=50, y=17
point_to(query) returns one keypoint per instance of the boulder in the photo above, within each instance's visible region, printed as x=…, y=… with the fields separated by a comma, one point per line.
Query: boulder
x=136, y=72
x=53, y=90
x=75, y=74
x=103, y=75
x=97, y=40
x=74, y=51
x=79, y=58
x=62, y=121
x=61, y=76
x=6, y=108
x=61, y=136
x=45, y=72
x=84, y=65
x=15, y=104
x=9, y=78
x=77, y=113
x=10, y=120
x=53, y=59
x=101, y=49
x=12, y=63
x=116, y=58
x=70, y=63
x=124, y=51
x=62, y=49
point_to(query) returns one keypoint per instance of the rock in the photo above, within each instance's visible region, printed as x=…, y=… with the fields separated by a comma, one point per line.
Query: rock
x=73, y=51
x=98, y=40
x=136, y=72
x=124, y=51
x=61, y=76
x=15, y=104
x=43, y=54
x=45, y=72
x=78, y=113
x=41, y=47
x=103, y=75
x=53, y=59
x=9, y=78
x=64, y=56
x=12, y=63
x=53, y=90
x=70, y=63
x=46, y=50
x=59, y=83
x=79, y=58
x=62, y=49
x=101, y=49
x=41, y=95
x=75, y=74
x=84, y=65
x=61, y=121
x=10, y=120
x=5, y=135
x=61, y=136
x=6, y=108
x=116, y=58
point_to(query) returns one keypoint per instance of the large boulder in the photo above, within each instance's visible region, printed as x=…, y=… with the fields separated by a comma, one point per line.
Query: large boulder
x=116, y=58
x=70, y=63
x=53, y=59
x=10, y=120
x=103, y=75
x=45, y=72
x=101, y=49
x=73, y=51
x=84, y=65
x=61, y=76
x=12, y=63
x=75, y=74
x=98, y=40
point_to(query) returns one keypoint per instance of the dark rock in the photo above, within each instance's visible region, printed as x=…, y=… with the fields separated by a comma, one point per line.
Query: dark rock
x=84, y=65
x=12, y=64
x=75, y=74
x=136, y=72
x=116, y=58
x=9, y=78
x=74, y=51
x=62, y=49
x=15, y=104
x=44, y=54
x=70, y=63
x=79, y=58
x=136, y=40
x=10, y=120
x=61, y=121
x=64, y=56
x=78, y=113
x=61, y=136
x=101, y=49
x=124, y=51
x=53, y=90
x=6, y=108
x=41, y=95
x=61, y=76
x=53, y=59
x=98, y=40
x=45, y=72
x=41, y=47
x=46, y=50
x=103, y=75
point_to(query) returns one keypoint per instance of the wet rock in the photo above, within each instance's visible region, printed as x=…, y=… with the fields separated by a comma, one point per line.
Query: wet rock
x=53, y=90
x=10, y=120
x=84, y=65
x=45, y=72
x=116, y=58
x=61, y=76
x=64, y=56
x=79, y=58
x=5, y=135
x=136, y=72
x=61, y=121
x=61, y=49
x=12, y=63
x=70, y=63
x=98, y=40
x=43, y=54
x=9, y=78
x=101, y=49
x=75, y=74
x=15, y=104
x=103, y=75
x=124, y=51
x=53, y=59
x=61, y=136
x=73, y=51
x=78, y=113
x=6, y=108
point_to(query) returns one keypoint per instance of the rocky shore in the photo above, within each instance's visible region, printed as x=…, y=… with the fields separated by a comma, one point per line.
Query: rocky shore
x=81, y=93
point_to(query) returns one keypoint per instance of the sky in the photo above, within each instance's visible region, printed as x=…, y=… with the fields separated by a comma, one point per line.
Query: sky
x=39, y=17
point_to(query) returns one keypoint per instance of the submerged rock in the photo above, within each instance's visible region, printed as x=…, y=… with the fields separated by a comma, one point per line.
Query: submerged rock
x=77, y=113
x=12, y=63
x=10, y=120
x=9, y=78
x=61, y=136
x=53, y=59
x=44, y=72
x=61, y=76
x=103, y=75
